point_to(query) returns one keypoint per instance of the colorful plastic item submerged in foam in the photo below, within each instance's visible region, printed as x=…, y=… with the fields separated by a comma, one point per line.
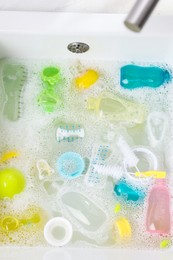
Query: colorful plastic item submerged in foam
x=70, y=165
x=69, y=132
x=12, y=182
x=165, y=243
x=6, y=156
x=86, y=80
x=33, y=215
x=49, y=99
x=124, y=228
x=153, y=174
x=158, y=220
x=117, y=109
x=133, y=77
x=51, y=75
x=127, y=192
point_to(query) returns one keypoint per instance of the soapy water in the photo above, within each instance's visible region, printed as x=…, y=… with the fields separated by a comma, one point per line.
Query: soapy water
x=34, y=135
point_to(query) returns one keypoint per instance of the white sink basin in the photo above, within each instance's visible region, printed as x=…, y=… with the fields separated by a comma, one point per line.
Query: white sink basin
x=47, y=35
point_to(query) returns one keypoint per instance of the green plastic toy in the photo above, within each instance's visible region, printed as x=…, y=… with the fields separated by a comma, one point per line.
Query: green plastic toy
x=49, y=99
x=51, y=75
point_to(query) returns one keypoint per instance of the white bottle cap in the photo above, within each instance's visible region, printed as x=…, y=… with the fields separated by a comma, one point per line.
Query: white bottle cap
x=50, y=230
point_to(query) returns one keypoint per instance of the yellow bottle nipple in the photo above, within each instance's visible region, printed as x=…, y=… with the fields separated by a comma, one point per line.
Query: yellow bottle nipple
x=12, y=182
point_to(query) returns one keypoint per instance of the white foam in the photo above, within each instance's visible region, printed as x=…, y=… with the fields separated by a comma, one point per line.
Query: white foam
x=34, y=135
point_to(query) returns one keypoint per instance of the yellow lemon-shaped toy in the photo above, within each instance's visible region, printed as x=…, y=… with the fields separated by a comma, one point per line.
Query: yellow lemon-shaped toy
x=12, y=182
x=86, y=80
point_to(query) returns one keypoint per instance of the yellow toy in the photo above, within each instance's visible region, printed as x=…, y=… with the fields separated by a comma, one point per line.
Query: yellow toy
x=165, y=243
x=11, y=223
x=12, y=182
x=87, y=79
x=9, y=155
x=153, y=174
x=117, y=208
x=124, y=228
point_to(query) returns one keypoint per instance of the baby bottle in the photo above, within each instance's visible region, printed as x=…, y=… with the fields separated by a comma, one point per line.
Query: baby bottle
x=133, y=76
x=115, y=108
x=158, y=218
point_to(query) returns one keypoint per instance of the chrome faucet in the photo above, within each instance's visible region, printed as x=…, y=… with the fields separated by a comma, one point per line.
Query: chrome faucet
x=140, y=14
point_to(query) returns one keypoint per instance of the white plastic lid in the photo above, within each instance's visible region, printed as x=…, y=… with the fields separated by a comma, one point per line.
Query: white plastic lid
x=51, y=228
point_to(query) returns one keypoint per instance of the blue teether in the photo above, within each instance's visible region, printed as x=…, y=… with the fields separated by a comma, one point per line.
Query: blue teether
x=128, y=193
x=70, y=165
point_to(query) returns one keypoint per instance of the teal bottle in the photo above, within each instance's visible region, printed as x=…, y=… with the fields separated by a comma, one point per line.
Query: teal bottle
x=133, y=76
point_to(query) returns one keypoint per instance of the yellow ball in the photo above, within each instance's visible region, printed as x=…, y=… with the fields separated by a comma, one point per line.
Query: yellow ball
x=12, y=182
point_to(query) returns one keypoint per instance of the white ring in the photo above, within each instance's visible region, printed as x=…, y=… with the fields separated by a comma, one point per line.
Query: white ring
x=150, y=155
x=151, y=158
x=51, y=225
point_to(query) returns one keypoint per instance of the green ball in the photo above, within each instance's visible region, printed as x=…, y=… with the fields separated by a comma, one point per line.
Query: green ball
x=12, y=182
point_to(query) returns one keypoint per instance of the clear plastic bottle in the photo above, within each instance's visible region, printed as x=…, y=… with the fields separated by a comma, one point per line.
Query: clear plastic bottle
x=87, y=214
x=117, y=109
x=158, y=220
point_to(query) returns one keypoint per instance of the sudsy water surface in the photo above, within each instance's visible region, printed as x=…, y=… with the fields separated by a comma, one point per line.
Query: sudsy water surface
x=87, y=202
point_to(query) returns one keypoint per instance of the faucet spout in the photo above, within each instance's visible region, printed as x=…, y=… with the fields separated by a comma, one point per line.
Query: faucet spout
x=140, y=14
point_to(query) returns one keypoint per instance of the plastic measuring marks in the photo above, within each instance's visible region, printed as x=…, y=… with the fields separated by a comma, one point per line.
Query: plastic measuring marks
x=93, y=178
x=14, y=77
